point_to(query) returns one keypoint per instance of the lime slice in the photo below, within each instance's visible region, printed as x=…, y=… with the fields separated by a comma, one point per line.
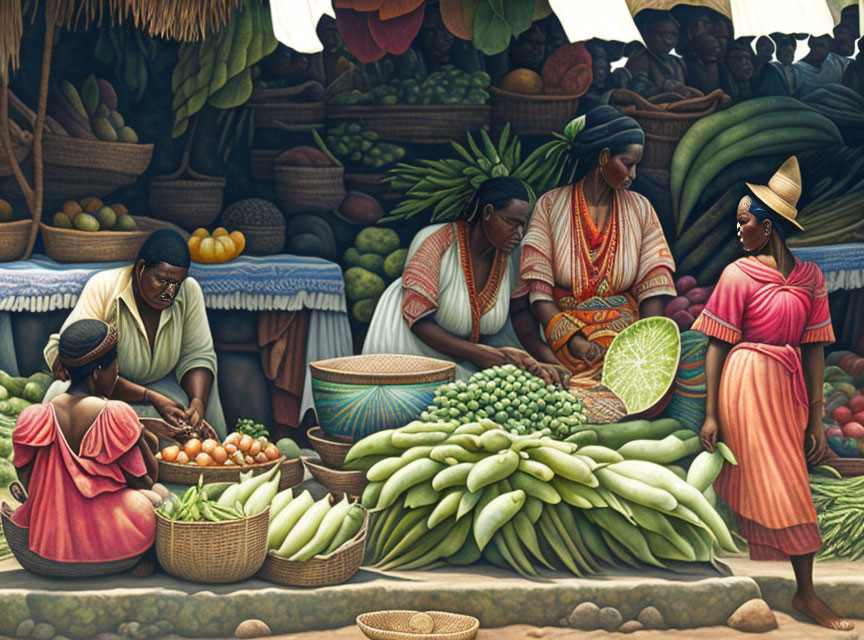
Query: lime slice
x=642, y=361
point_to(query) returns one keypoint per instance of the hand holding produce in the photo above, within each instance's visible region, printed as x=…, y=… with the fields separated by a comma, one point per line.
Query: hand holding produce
x=217, y=248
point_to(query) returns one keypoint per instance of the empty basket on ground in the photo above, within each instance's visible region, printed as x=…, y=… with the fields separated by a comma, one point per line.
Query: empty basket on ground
x=261, y=222
x=331, y=449
x=531, y=114
x=338, y=481
x=334, y=568
x=434, y=123
x=13, y=239
x=186, y=197
x=309, y=189
x=665, y=123
x=212, y=552
x=72, y=245
x=417, y=625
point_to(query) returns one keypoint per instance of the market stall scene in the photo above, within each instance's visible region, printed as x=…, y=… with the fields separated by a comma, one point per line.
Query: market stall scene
x=431, y=319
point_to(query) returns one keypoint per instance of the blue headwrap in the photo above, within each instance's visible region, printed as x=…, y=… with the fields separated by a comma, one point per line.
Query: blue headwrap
x=602, y=127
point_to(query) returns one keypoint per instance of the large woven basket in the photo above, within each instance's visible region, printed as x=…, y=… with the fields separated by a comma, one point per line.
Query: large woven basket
x=331, y=449
x=309, y=189
x=338, y=481
x=394, y=625
x=531, y=114
x=335, y=568
x=359, y=395
x=18, y=539
x=665, y=126
x=416, y=123
x=71, y=245
x=13, y=239
x=212, y=552
x=189, y=473
x=186, y=197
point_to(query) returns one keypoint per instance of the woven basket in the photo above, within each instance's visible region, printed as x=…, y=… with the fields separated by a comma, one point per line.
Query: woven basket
x=18, y=539
x=351, y=483
x=416, y=123
x=394, y=625
x=266, y=235
x=331, y=449
x=292, y=472
x=13, y=239
x=335, y=568
x=531, y=114
x=189, y=473
x=186, y=197
x=293, y=116
x=212, y=552
x=309, y=189
x=71, y=245
x=664, y=128
x=383, y=369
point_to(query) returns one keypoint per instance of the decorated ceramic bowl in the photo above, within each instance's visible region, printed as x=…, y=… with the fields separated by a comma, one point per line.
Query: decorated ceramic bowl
x=359, y=395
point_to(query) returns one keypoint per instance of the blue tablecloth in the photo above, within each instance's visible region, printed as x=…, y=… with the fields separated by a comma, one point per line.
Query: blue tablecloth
x=271, y=283
x=842, y=264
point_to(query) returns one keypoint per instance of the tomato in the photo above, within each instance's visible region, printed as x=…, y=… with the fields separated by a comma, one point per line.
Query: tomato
x=192, y=447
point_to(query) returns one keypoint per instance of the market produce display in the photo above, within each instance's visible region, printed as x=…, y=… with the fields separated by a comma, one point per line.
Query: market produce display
x=301, y=528
x=689, y=303
x=756, y=127
x=238, y=449
x=90, y=113
x=18, y=393
x=844, y=403
x=517, y=400
x=446, y=86
x=216, y=248
x=374, y=261
x=451, y=492
x=353, y=142
x=840, y=513
x=91, y=214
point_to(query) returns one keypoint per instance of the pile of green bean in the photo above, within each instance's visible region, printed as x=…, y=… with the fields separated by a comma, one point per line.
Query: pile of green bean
x=515, y=399
x=456, y=493
x=840, y=513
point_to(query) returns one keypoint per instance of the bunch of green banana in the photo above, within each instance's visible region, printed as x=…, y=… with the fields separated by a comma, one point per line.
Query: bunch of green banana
x=444, y=186
x=445, y=492
x=758, y=127
x=128, y=49
x=840, y=513
x=218, y=69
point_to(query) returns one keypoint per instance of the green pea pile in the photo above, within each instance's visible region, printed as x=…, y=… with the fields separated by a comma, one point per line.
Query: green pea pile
x=520, y=402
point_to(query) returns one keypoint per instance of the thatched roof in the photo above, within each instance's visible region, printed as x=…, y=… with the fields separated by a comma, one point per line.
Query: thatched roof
x=171, y=19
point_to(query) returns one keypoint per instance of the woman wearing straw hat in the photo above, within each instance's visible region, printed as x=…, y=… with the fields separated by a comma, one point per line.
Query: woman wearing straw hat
x=767, y=321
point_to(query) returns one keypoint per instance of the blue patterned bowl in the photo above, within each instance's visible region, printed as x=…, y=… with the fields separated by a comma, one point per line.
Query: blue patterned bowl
x=359, y=395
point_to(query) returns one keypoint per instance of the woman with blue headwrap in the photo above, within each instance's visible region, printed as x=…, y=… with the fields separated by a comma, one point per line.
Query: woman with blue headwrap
x=594, y=259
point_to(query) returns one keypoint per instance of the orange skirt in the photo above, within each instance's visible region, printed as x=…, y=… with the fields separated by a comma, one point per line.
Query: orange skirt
x=763, y=416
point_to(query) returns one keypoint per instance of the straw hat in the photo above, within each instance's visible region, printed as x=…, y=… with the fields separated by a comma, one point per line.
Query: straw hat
x=783, y=191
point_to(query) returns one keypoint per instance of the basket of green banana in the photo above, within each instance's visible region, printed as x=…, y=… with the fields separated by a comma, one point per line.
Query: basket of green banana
x=444, y=492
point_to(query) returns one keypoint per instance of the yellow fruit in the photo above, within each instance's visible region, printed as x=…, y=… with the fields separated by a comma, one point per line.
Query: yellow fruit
x=207, y=251
x=94, y=205
x=228, y=245
x=220, y=231
x=522, y=81
x=239, y=241
x=194, y=245
x=5, y=211
x=220, y=254
x=200, y=232
x=71, y=208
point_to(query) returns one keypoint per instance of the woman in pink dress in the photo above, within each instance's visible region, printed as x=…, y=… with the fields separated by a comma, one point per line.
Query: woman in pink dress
x=767, y=321
x=82, y=457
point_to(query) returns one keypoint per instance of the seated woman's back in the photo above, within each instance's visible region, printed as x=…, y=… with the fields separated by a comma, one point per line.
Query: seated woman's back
x=75, y=417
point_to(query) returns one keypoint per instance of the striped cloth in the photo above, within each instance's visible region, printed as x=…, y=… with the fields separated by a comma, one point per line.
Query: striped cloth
x=271, y=283
x=842, y=264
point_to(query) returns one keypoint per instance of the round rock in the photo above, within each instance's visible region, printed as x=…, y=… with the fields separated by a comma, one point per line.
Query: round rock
x=651, y=618
x=43, y=631
x=754, y=616
x=586, y=617
x=252, y=629
x=25, y=628
x=631, y=626
x=610, y=618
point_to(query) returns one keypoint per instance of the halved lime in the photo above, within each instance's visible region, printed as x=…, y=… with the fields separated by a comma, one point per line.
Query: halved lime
x=642, y=361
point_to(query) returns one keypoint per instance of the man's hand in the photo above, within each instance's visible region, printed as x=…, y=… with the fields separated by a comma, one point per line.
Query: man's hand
x=172, y=412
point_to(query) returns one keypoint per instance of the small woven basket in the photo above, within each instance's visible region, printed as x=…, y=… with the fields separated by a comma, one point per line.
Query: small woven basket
x=309, y=189
x=292, y=472
x=335, y=568
x=212, y=552
x=71, y=245
x=186, y=197
x=331, y=449
x=13, y=239
x=395, y=625
x=351, y=483
x=425, y=124
x=18, y=539
x=531, y=114
x=189, y=473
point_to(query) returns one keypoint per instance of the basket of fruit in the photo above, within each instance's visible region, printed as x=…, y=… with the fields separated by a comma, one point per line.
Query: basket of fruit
x=13, y=234
x=313, y=544
x=261, y=223
x=340, y=481
x=186, y=197
x=308, y=181
x=225, y=523
x=298, y=108
x=90, y=231
x=359, y=395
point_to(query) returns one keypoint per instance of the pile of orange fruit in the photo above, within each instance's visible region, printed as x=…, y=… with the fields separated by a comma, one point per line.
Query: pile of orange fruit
x=217, y=248
x=237, y=450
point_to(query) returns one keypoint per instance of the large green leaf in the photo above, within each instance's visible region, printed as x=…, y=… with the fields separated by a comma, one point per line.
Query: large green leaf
x=519, y=15
x=491, y=31
x=235, y=92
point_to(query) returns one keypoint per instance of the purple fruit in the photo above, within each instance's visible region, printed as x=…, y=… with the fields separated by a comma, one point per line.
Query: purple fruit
x=107, y=95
